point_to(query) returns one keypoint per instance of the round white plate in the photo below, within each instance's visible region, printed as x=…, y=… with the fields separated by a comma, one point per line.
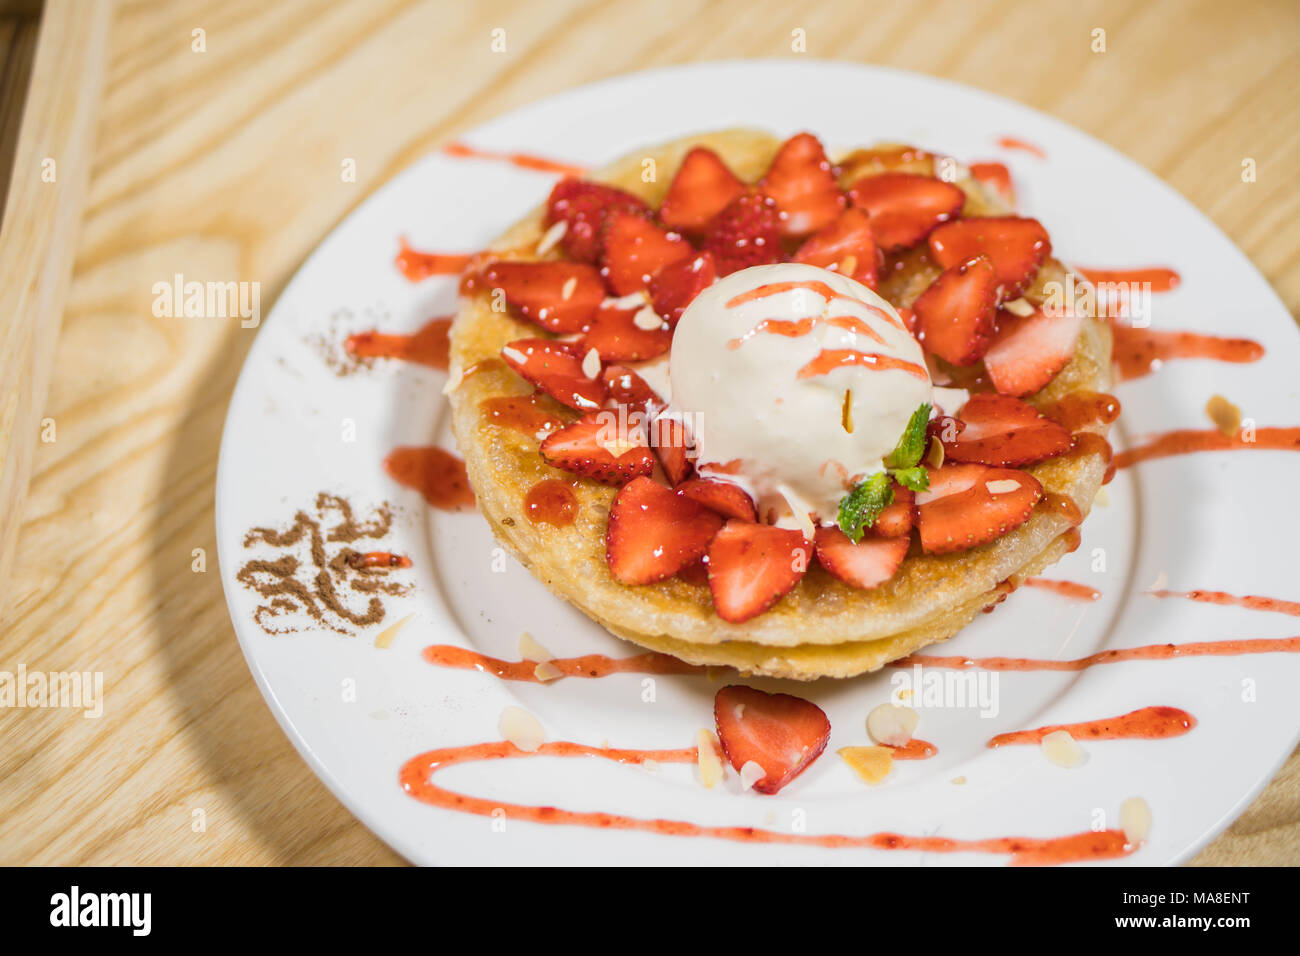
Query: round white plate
x=1217, y=521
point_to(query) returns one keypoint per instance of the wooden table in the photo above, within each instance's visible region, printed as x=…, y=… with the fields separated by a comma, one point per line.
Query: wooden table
x=225, y=163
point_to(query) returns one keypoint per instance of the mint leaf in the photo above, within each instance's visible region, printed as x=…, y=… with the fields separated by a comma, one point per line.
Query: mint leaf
x=860, y=508
x=911, y=446
x=915, y=478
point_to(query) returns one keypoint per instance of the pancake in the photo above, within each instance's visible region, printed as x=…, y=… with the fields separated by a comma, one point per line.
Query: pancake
x=824, y=627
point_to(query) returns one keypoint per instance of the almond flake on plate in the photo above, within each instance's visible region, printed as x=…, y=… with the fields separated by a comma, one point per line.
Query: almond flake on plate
x=1135, y=819
x=750, y=774
x=552, y=236
x=1225, y=415
x=546, y=671
x=892, y=724
x=531, y=650
x=1002, y=486
x=1063, y=750
x=708, y=758
x=871, y=764
x=521, y=728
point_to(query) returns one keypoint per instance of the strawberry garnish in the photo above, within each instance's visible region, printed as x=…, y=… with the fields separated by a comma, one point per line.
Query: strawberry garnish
x=867, y=564
x=903, y=207
x=954, y=317
x=727, y=499
x=1028, y=351
x=846, y=245
x=781, y=733
x=558, y=296
x=618, y=335
x=897, y=519
x=594, y=448
x=654, y=533
x=746, y=233
x=556, y=368
x=997, y=177
x=677, y=284
x=1003, y=431
x=626, y=387
x=584, y=206
x=752, y=566
x=702, y=188
x=969, y=505
x=635, y=250
x=1015, y=246
x=672, y=448
x=802, y=182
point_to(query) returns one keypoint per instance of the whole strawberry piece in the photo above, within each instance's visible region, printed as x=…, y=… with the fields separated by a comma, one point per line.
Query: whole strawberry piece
x=746, y=233
x=583, y=207
x=781, y=733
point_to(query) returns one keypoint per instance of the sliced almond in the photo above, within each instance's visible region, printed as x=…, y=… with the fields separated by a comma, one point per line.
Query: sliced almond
x=1021, y=307
x=384, y=639
x=648, y=319
x=1225, y=415
x=708, y=758
x=590, y=362
x=1063, y=750
x=552, y=236
x=1102, y=498
x=455, y=375
x=800, y=510
x=521, y=728
x=934, y=456
x=871, y=764
x=531, y=650
x=546, y=671
x=750, y=774
x=848, y=265
x=892, y=724
x=1001, y=486
x=570, y=286
x=959, y=781
x=1135, y=819
x=629, y=301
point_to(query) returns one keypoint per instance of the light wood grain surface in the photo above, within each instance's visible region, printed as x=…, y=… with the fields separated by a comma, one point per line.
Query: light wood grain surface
x=224, y=164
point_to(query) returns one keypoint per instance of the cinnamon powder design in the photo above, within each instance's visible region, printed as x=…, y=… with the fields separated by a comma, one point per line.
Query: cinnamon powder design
x=316, y=579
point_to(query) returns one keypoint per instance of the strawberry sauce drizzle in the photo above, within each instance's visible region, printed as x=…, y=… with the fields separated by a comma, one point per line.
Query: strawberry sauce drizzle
x=915, y=749
x=1185, y=441
x=1251, y=601
x=588, y=665
x=522, y=160
x=795, y=328
x=416, y=265
x=1147, y=652
x=429, y=346
x=378, y=559
x=1139, y=352
x=1010, y=142
x=552, y=501
x=1079, y=409
x=1066, y=589
x=1148, y=723
x=436, y=474
x=1160, y=278
x=416, y=779
x=812, y=285
x=522, y=413
x=828, y=360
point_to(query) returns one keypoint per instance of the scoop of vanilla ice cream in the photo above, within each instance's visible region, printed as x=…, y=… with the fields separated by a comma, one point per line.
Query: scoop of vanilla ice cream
x=794, y=382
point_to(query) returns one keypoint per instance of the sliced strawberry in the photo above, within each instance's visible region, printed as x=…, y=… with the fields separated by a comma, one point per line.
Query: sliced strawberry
x=969, y=505
x=904, y=207
x=537, y=291
x=626, y=387
x=615, y=334
x=945, y=428
x=702, y=188
x=1005, y=431
x=846, y=245
x=594, y=448
x=781, y=733
x=727, y=499
x=672, y=448
x=635, y=250
x=584, y=206
x=654, y=533
x=746, y=233
x=897, y=519
x=802, y=182
x=954, y=316
x=996, y=177
x=752, y=566
x=556, y=368
x=867, y=564
x=1015, y=246
x=678, y=283
x=1028, y=351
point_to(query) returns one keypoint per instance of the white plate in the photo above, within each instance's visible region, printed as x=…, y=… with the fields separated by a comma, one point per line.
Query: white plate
x=1209, y=521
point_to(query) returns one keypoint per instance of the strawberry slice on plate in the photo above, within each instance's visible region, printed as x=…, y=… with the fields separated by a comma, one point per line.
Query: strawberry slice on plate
x=1028, y=351
x=727, y=499
x=867, y=564
x=702, y=188
x=955, y=316
x=1015, y=246
x=583, y=207
x=625, y=387
x=628, y=335
x=556, y=368
x=654, y=533
x=672, y=447
x=846, y=246
x=802, y=182
x=969, y=505
x=635, y=250
x=781, y=733
x=558, y=296
x=1004, y=431
x=746, y=233
x=904, y=208
x=677, y=284
x=593, y=448
x=752, y=566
